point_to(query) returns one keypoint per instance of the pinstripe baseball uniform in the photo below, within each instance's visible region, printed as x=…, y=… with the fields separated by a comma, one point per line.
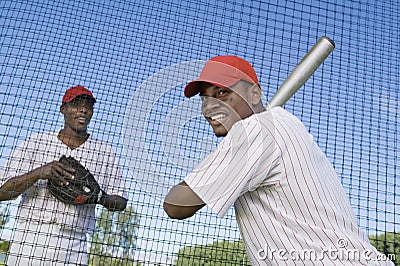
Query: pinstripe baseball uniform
x=50, y=232
x=289, y=203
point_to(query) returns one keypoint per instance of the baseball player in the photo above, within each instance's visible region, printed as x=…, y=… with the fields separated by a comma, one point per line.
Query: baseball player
x=49, y=231
x=289, y=203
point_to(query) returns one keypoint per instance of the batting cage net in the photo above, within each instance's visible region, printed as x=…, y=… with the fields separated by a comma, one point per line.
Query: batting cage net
x=136, y=57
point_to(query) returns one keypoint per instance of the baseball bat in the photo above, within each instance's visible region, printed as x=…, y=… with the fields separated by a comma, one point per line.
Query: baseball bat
x=303, y=71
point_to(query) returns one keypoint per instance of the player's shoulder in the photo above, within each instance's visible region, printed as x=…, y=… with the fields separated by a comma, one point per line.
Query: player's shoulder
x=42, y=136
x=97, y=143
x=287, y=123
x=36, y=140
x=279, y=113
x=251, y=126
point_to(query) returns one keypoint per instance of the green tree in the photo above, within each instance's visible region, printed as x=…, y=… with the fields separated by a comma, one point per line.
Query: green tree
x=218, y=253
x=4, y=218
x=388, y=244
x=114, y=239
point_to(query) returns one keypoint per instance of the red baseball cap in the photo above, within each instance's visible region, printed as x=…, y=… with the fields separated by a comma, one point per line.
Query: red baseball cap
x=223, y=71
x=74, y=92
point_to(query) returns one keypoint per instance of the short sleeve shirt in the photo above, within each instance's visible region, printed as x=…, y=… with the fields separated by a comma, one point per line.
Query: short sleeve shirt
x=287, y=196
x=37, y=204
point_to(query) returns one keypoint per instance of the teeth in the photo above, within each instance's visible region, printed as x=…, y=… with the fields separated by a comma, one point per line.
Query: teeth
x=217, y=116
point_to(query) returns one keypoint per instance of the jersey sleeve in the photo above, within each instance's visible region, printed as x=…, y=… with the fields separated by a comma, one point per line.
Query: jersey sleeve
x=230, y=171
x=114, y=183
x=20, y=160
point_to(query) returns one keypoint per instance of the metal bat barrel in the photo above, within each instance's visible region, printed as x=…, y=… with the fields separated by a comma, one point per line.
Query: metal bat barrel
x=303, y=71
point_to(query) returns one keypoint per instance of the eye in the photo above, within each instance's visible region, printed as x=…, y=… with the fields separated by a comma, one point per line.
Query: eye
x=222, y=92
x=73, y=104
x=203, y=98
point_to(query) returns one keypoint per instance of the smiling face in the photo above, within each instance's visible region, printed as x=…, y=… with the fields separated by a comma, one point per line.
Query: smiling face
x=77, y=115
x=222, y=107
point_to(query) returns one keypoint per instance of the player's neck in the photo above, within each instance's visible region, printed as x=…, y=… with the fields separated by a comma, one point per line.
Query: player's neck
x=259, y=108
x=72, y=139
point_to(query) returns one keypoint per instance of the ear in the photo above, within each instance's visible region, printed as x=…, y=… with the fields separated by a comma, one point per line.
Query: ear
x=254, y=94
x=62, y=109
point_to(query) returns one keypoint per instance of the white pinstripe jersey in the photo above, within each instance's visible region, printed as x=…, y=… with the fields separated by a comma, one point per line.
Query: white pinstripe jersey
x=289, y=203
x=37, y=204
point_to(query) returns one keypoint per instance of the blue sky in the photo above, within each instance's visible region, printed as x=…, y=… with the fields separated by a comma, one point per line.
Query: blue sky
x=350, y=105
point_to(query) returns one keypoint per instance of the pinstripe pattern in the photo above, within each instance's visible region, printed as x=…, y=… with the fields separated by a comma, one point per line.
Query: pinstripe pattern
x=48, y=231
x=286, y=193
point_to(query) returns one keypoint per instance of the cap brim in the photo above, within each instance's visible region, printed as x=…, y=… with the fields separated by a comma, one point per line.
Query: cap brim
x=192, y=88
x=85, y=96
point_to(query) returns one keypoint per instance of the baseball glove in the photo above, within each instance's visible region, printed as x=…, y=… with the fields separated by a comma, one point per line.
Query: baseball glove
x=83, y=189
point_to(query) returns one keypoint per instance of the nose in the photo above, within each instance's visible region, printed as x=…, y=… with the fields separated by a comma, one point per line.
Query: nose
x=83, y=109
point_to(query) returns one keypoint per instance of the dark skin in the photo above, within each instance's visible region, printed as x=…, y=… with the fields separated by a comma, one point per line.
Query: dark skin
x=77, y=116
x=221, y=107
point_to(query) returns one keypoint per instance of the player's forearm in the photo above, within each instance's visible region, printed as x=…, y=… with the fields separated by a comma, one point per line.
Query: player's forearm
x=15, y=186
x=113, y=202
